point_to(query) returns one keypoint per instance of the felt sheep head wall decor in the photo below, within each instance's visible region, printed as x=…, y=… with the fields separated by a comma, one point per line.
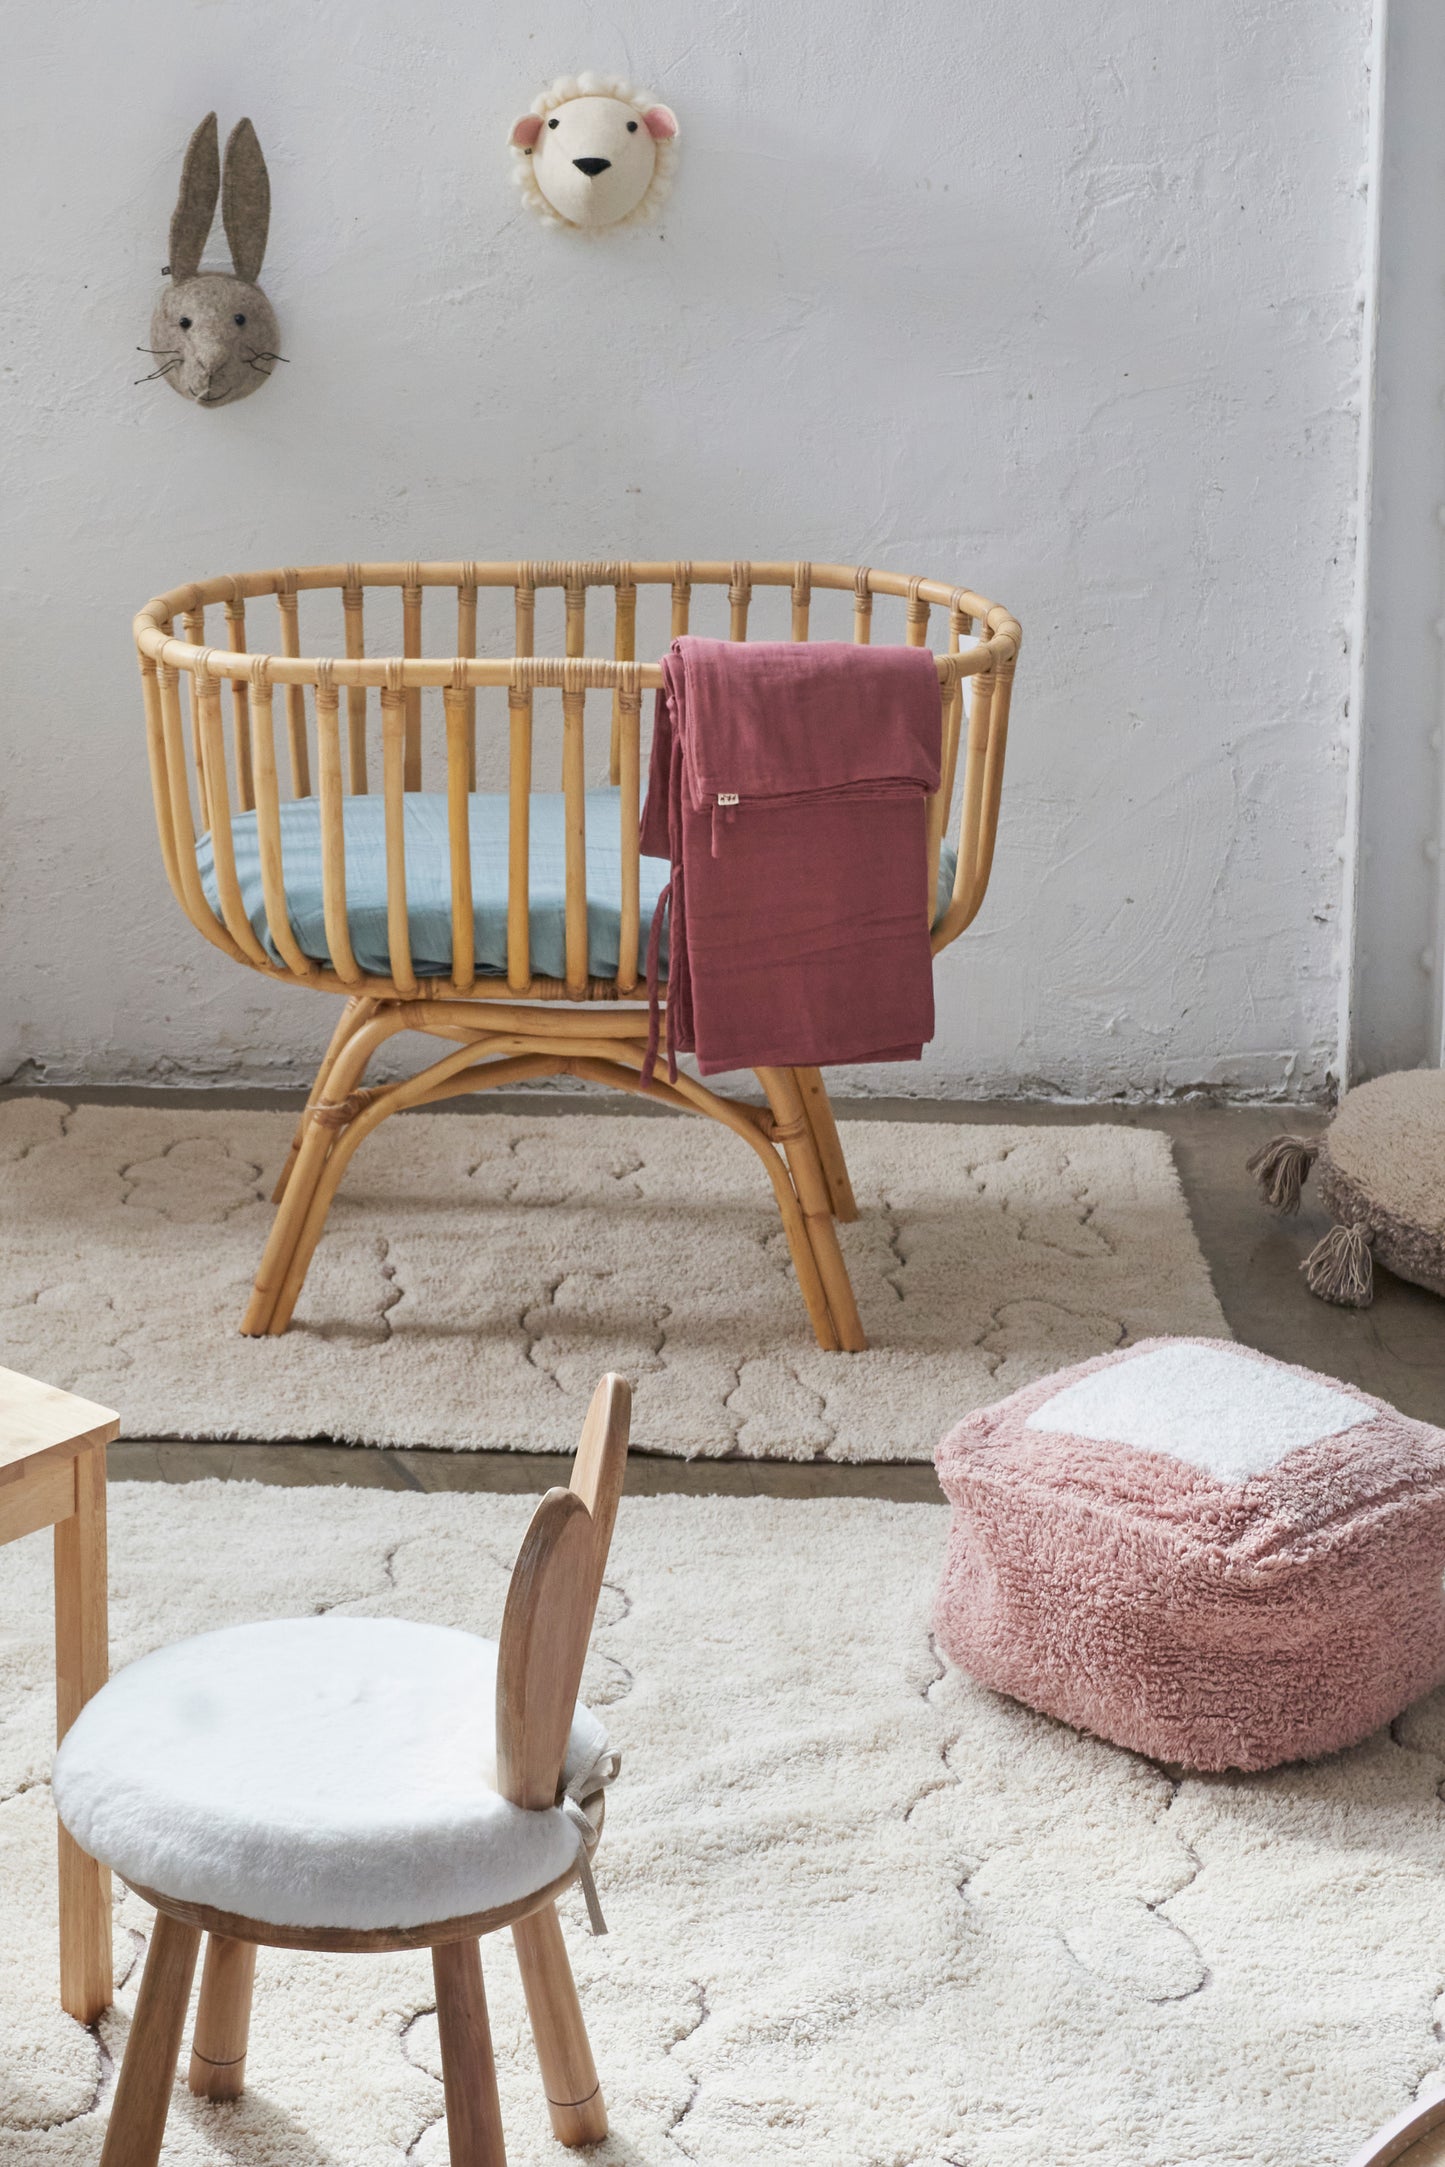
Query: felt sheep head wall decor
x=595, y=152
x=214, y=333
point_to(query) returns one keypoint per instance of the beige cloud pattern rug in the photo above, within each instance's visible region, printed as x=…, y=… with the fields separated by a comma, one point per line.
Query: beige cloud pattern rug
x=480, y=1271
x=863, y=1913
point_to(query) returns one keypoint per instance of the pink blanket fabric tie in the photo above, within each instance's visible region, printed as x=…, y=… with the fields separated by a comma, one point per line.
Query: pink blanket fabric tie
x=788, y=789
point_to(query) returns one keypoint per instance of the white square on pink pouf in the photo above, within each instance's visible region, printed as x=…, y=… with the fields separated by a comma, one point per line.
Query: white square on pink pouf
x=1197, y=1552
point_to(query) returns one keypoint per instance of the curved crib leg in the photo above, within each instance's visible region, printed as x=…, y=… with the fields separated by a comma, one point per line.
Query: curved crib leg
x=569, y=2074
x=285, y=1227
x=693, y=1097
x=315, y=1209
x=806, y=1196
x=794, y=1133
x=267, y=1311
x=358, y=1010
x=829, y=1146
x=800, y=1249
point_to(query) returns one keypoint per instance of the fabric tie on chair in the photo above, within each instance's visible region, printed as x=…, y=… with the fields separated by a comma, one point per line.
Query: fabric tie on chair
x=787, y=789
x=600, y=1771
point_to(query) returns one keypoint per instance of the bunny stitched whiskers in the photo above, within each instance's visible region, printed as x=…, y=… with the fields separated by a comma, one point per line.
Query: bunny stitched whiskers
x=214, y=333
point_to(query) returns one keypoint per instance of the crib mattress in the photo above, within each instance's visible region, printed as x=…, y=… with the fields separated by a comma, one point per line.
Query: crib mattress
x=428, y=882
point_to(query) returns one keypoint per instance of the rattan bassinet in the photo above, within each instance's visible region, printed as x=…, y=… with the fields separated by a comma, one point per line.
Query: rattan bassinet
x=382, y=752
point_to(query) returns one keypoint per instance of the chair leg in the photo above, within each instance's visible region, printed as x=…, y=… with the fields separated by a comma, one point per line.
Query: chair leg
x=827, y=1142
x=795, y=1134
x=469, y=2074
x=143, y=2093
x=357, y=1011
x=223, y=2019
x=574, y=2096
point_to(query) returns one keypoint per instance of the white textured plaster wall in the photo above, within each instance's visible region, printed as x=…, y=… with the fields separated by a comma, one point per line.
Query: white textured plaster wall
x=1397, y=980
x=1059, y=300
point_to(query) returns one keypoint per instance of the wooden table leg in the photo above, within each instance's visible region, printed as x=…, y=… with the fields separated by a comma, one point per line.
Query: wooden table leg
x=82, y=1661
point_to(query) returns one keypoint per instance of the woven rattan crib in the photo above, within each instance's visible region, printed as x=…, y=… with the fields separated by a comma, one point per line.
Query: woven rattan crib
x=232, y=841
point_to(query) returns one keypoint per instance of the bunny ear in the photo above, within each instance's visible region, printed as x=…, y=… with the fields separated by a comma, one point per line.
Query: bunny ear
x=196, y=203
x=246, y=201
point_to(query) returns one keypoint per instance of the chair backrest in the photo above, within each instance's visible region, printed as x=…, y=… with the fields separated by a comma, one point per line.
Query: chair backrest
x=551, y=1603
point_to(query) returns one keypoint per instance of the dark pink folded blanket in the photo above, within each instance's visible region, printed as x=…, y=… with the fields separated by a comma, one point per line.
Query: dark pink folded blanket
x=788, y=788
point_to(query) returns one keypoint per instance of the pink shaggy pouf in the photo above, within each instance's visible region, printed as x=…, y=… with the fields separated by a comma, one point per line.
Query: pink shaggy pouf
x=1199, y=1553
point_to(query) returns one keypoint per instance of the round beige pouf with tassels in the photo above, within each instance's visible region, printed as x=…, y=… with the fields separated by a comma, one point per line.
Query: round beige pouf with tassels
x=1381, y=1176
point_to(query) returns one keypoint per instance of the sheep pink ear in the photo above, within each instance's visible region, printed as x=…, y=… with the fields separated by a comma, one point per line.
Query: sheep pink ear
x=527, y=130
x=660, y=122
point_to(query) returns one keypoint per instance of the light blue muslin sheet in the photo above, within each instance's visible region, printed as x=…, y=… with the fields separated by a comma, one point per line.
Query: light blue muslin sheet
x=428, y=882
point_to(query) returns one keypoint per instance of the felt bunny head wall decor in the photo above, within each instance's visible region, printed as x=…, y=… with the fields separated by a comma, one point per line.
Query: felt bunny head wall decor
x=595, y=152
x=214, y=333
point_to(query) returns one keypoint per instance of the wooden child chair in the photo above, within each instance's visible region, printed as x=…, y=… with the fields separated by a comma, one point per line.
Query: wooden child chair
x=451, y=1786
x=509, y=924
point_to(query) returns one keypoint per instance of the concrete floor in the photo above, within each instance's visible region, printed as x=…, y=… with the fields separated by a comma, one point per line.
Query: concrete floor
x=1395, y=1349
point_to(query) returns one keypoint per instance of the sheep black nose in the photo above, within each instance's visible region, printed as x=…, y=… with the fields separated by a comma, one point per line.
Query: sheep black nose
x=592, y=166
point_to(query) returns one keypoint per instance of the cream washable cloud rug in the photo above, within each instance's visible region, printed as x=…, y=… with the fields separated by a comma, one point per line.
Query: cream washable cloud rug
x=863, y=1913
x=480, y=1271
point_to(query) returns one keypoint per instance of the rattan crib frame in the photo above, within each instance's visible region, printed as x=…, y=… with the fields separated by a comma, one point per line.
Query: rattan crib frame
x=505, y=1031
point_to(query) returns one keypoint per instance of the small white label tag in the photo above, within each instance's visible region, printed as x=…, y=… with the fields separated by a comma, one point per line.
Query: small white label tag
x=727, y=797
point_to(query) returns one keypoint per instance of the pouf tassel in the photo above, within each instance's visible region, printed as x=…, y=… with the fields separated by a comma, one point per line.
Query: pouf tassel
x=1281, y=1167
x=1341, y=1269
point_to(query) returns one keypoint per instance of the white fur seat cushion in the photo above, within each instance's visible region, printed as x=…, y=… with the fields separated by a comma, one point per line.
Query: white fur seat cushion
x=315, y=1772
